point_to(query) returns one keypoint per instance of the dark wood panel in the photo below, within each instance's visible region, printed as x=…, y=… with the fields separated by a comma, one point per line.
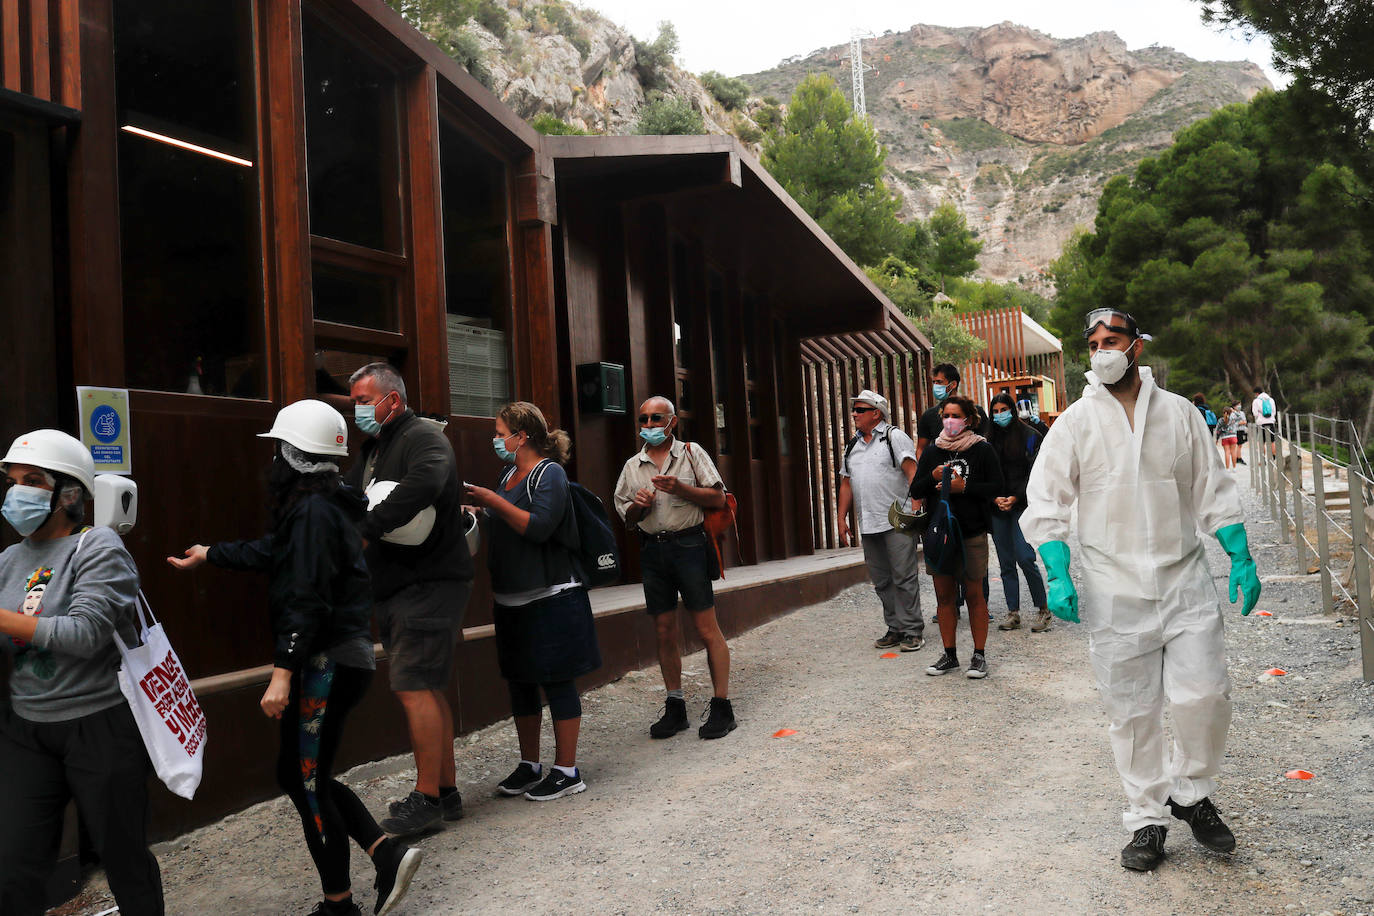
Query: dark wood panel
x=67, y=24
x=40, y=54
x=11, y=52
x=426, y=231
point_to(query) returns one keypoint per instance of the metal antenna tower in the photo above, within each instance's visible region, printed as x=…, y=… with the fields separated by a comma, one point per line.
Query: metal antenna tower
x=857, y=68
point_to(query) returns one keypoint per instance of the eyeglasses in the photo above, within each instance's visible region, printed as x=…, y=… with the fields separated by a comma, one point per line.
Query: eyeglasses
x=857, y=409
x=654, y=418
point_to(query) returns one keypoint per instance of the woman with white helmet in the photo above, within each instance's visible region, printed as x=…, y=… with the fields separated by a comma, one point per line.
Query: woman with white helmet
x=66, y=731
x=320, y=603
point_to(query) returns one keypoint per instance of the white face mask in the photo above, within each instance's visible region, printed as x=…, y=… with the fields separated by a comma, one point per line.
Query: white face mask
x=1110, y=365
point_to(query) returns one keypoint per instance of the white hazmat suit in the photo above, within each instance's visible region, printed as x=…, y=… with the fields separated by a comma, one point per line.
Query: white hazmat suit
x=1145, y=497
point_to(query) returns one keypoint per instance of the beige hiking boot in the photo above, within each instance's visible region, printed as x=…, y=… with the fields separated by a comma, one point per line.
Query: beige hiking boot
x=1013, y=622
x=1043, y=619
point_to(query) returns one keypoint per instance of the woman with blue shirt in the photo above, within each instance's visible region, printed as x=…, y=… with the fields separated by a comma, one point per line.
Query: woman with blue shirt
x=545, y=636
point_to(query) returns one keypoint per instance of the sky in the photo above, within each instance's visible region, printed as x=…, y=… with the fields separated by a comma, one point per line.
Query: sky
x=746, y=36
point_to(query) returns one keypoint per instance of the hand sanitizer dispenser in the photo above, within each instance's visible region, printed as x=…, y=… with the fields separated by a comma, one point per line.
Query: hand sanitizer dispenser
x=116, y=502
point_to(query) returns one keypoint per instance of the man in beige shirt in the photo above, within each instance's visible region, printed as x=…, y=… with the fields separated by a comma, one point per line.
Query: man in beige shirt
x=661, y=493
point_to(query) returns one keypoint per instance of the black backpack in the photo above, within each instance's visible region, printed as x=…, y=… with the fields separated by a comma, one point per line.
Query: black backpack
x=943, y=542
x=595, y=551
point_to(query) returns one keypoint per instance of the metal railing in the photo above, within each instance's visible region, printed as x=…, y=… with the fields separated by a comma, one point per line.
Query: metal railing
x=1325, y=545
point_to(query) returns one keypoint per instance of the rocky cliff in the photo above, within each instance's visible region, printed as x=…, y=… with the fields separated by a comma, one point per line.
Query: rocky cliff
x=1020, y=130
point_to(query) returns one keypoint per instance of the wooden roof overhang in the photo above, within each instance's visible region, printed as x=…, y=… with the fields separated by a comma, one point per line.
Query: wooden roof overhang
x=713, y=181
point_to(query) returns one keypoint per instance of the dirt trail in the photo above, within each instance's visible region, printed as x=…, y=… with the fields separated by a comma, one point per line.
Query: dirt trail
x=898, y=793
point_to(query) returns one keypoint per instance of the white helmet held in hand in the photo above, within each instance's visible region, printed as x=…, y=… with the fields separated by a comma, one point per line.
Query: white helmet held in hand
x=311, y=426
x=412, y=533
x=54, y=450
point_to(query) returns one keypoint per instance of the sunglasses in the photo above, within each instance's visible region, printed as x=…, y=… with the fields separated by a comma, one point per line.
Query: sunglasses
x=864, y=409
x=653, y=418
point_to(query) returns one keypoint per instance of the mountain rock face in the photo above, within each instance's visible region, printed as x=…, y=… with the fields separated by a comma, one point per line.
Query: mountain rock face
x=1018, y=129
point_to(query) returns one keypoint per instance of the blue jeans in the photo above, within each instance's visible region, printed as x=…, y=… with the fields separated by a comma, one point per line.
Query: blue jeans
x=1013, y=551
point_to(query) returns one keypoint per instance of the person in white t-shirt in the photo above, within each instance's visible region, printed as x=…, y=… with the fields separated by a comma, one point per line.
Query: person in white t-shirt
x=1265, y=412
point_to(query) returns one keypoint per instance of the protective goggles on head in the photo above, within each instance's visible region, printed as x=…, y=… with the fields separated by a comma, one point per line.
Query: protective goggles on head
x=1114, y=320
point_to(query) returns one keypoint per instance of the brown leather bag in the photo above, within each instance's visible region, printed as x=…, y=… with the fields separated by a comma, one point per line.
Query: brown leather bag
x=718, y=522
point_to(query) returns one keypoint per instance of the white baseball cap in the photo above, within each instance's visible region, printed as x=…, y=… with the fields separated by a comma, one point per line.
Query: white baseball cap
x=874, y=399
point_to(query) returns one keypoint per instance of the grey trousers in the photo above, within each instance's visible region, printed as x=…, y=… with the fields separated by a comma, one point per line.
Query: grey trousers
x=893, y=568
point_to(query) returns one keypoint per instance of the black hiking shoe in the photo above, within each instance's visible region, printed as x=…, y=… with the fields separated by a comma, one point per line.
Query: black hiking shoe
x=1146, y=849
x=943, y=665
x=557, y=784
x=674, y=719
x=720, y=719
x=1207, y=825
x=336, y=908
x=451, y=805
x=415, y=814
x=887, y=640
x=521, y=779
x=396, y=864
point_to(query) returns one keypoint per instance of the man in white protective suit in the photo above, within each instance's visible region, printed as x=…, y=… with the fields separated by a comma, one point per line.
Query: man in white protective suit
x=1140, y=465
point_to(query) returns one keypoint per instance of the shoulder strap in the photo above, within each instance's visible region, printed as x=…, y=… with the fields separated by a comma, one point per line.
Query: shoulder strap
x=849, y=447
x=532, y=479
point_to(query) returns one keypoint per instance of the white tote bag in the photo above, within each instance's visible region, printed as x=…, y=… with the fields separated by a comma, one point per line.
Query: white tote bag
x=168, y=715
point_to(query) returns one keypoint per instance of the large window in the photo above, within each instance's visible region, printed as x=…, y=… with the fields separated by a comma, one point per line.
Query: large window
x=476, y=272
x=189, y=191
x=720, y=359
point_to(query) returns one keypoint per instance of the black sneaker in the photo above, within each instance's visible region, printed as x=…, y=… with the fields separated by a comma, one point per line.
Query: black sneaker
x=944, y=665
x=336, y=908
x=1207, y=825
x=1146, y=849
x=451, y=805
x=415, y=814
x=913, y=642
x=887, y=640
x=556, y=785
x=396, y=864
x=674, y=719
x=521, y=780
x=720, y=719
x=977, y=667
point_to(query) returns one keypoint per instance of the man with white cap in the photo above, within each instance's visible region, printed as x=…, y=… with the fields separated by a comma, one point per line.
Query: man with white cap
x=878, y=465
x=1138, y=462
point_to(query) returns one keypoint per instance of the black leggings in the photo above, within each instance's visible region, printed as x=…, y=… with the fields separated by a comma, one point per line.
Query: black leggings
x=564, y=703
x=322, y=694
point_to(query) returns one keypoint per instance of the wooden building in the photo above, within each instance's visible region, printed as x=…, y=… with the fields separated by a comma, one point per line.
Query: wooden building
x=228, y=205
x=1022, y=359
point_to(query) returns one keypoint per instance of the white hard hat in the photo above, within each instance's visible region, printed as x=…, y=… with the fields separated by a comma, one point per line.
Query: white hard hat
x=311, y=426
x=413, y=532
x=54, y=450
x=471, y=533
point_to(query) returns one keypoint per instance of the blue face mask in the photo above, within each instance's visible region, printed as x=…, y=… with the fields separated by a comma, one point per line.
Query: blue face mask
x=27, y=508
x=365, y=418
x=499, y=446
x=654, y=435
x=1003, y=418
x=941, y=392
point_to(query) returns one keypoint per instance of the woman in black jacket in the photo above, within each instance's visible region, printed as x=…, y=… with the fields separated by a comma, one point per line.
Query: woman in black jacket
x=975, y=478
x=545, y=635
x=1016, y=444
x=320, y=602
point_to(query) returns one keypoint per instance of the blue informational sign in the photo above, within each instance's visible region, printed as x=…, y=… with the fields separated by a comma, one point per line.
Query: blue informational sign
x=105, y=424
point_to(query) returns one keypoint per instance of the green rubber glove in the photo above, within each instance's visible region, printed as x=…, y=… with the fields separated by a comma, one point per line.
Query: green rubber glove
x=1062, y=595
x=1243, y=575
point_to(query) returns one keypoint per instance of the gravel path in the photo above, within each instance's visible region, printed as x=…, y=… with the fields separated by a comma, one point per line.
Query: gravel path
x=898, y=793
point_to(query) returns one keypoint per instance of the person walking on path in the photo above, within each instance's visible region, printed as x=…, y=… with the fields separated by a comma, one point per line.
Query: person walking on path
x=1242, y=430
x=879, y=463
x=545, y=635
x=1016, y=443
x=944, y=384
x=421, y=580
x=1227, y=437
x=974, y=480
x=661, y=493
x=1137, y=462
x=320, y=602
x=1265, y=412
x=66, y=731
x=1208, y=417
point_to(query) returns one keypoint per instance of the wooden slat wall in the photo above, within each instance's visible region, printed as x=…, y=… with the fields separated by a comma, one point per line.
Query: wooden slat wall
x=40, y=49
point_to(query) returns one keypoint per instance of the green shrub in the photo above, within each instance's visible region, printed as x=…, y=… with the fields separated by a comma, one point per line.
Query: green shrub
x=669, y=114
x=551, y=126
x=729, y=91
x=746, y=131
x=553, y=17
x=653, y=58
x=769, y=117
x=464, y=47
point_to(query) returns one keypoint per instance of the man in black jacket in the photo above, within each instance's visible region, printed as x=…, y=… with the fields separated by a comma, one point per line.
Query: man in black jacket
x=421, y=579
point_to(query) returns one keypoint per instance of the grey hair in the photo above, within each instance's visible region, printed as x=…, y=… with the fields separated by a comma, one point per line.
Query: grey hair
x=672, y=411
x=386, y=375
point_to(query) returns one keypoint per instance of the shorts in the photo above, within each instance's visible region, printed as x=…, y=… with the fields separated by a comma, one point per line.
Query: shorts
x=547, y=641
x=1242, y=437
x=419, y=627
x=679, y=566
x=1229, y=440
x=974, y=564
